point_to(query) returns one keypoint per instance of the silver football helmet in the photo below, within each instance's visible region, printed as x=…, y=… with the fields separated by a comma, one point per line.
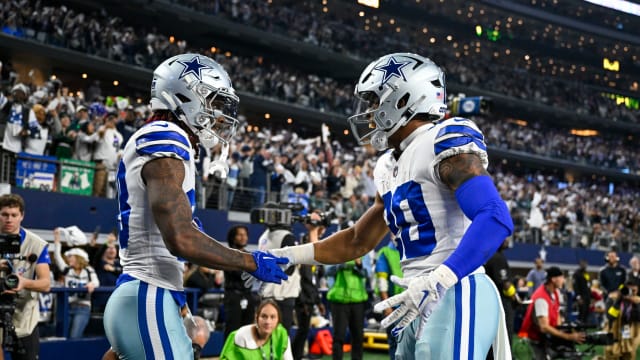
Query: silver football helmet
x=199, y=92
x=391, y=91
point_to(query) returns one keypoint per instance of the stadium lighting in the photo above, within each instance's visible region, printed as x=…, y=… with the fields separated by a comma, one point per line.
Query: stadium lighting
x=611, y=65
x=370, y=3
x=620, y=5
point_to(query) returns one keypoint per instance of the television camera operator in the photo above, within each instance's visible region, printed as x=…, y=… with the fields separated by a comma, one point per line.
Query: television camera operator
x=623, y=322
x=279, y=218
x=541, y=321
x=25, y=273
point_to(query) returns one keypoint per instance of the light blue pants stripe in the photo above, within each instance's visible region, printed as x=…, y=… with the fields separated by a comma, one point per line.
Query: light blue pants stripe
x=143, y=321
x=462, y=327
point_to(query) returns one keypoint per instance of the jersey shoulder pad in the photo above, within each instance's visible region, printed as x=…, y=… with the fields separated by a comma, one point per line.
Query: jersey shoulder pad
x=163, y=139
x=459, y=135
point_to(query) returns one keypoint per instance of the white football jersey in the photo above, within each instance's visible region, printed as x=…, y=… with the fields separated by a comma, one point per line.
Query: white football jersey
x=143, y=253
x=420, y=210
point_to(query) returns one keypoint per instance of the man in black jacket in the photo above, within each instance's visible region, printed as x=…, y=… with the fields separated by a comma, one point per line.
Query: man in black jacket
x=582, y=288
x=612, y=275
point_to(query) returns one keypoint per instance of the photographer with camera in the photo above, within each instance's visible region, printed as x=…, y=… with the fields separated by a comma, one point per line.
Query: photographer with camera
x=623, y=321
x=541, y=321
x=278, y=235
x=26, y=260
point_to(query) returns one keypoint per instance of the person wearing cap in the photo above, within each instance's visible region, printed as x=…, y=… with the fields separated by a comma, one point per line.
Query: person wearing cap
x=33, y=274
x=77, y=274
x=543, y=316
x=15, y=114
x=106, y=156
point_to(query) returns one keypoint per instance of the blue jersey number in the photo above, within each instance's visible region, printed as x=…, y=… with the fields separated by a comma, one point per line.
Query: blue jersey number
x=408, y=216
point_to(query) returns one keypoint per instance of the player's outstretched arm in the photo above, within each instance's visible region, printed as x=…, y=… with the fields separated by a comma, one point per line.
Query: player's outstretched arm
x=172, y=213
x=345, y=245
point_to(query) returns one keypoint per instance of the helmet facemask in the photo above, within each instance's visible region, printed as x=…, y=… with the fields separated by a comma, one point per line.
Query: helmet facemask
x=216, y=120
x=391, y=91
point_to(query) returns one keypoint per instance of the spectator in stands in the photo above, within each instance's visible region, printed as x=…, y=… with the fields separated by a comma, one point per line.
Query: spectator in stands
x=36, y=141
x=612, y=275
x=205, y=279
x=77, y=274
x=108, y=269
x=33, y=277
x=582, y=290
x=106, y=156
x=62, y=143
x=536, y=276
x=16, y=113
x=265, y=339
x=233, y=177
x=85, y=141
x=126, y=125
x=81, y=117
x=239, y=301
x=262, y=168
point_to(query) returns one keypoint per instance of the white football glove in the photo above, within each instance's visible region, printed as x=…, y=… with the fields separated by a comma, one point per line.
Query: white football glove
x=421, y=298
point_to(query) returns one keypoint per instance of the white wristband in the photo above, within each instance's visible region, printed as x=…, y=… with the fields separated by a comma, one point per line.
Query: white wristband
x=445, y=276
x=300, y=254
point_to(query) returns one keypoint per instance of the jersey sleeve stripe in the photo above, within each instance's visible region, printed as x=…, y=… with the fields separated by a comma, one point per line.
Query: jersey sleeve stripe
x=460, y=129
x=163, y=147
x=457, y=142
x=169, y=136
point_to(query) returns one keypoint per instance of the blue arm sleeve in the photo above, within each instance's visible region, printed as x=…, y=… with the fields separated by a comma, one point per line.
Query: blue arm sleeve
x=490, y=225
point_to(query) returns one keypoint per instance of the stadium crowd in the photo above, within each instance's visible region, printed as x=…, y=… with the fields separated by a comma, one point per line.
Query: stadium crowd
x=325, y=173
x=625, y=23
x=481, y=66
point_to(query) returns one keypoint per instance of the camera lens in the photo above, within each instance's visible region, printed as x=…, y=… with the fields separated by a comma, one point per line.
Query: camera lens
x=11, y=282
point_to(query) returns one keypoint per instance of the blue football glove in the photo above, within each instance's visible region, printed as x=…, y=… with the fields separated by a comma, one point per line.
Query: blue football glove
x=268, y=267
x=421, y=298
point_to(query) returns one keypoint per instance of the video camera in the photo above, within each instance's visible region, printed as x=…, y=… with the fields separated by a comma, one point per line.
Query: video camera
x=285, y=214
x=9, y=250
x=565, y=349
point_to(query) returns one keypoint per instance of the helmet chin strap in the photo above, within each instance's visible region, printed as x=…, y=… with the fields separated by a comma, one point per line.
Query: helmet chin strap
x=220, y=166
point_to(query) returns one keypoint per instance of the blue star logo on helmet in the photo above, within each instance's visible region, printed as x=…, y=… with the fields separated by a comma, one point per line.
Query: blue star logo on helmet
x=392, y=68
x=193, y=67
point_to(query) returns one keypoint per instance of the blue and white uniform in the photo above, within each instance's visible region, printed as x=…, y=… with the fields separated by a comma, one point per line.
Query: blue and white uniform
x=424, y=215
x=142, y=318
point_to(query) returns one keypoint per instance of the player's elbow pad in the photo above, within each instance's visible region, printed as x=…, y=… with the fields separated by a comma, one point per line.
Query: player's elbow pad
x=479, y=195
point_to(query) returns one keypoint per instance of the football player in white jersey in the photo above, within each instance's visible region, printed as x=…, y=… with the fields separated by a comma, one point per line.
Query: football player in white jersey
x=436, y=197
x=193, y=102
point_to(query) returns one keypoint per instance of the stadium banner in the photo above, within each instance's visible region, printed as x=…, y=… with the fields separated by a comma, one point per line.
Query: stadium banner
x=76, y=176
x=36, y=171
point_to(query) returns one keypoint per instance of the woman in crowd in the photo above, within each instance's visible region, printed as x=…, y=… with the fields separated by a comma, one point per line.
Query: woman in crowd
x=266, y=339
x=77, y=274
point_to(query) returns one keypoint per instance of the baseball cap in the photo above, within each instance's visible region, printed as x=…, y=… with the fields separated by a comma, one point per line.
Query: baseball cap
x=81, y=108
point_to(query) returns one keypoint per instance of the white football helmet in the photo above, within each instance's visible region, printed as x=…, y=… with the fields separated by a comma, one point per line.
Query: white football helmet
x=391, y=91
x=199, y=92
